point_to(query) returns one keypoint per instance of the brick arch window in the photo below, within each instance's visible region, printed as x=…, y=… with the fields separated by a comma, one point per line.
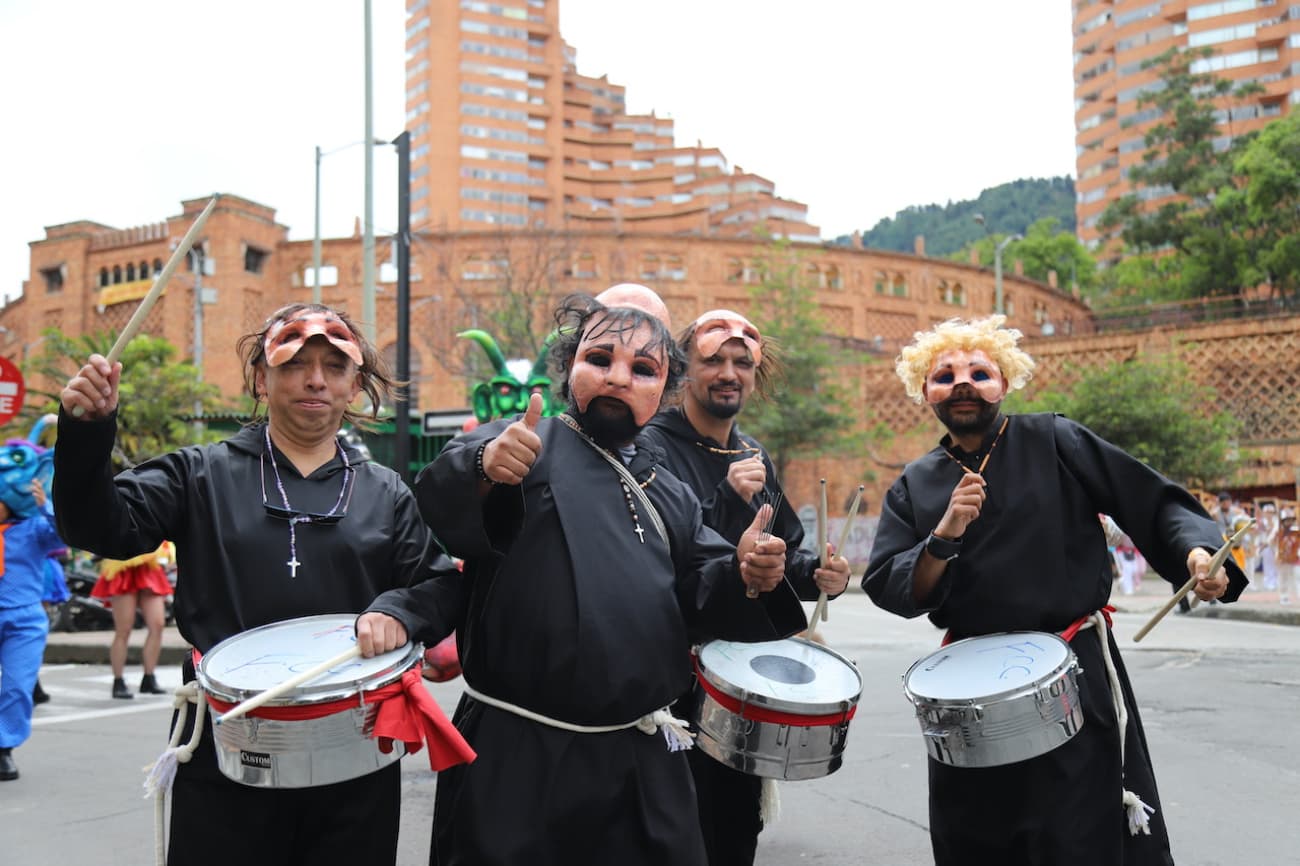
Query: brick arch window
x=103, y=277
x=157, y=266
x=144, y=270
x=898, y=286
x=735, y=270
x=130, y=272
x=649, y=266
x=834, y=279
x=117, y=274
x=958, y=294
x=816, y=279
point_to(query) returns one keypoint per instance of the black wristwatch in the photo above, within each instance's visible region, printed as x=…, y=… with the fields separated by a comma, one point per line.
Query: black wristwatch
x=942, y=548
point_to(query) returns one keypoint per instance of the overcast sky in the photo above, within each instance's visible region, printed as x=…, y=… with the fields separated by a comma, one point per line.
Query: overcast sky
x=858, y=108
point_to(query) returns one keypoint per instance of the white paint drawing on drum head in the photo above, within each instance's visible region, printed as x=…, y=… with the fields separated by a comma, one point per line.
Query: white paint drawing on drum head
x=983, y=666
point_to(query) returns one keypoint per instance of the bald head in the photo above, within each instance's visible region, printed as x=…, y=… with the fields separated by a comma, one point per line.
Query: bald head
x=638, y=297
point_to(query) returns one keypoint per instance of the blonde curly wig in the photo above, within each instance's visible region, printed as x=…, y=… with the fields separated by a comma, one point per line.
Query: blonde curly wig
x=914, y=362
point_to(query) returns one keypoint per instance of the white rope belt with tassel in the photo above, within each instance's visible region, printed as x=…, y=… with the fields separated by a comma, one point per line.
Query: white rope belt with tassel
x=1138, y=812
x=676, y=734
x=162, y=772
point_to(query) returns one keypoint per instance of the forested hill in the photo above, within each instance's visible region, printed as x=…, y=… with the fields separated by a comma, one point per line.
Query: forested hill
x=1007, y=209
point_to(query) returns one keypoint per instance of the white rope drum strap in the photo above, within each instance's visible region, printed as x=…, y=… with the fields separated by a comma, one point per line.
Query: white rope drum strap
x=1139, y=813
x=675, y=732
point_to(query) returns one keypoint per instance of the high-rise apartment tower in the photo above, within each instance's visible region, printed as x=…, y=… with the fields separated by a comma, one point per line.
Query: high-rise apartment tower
x=1252, y=40
x=506, y=133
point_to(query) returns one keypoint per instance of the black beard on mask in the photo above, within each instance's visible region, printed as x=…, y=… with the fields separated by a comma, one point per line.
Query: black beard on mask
x=967, y=423
x=607, y=421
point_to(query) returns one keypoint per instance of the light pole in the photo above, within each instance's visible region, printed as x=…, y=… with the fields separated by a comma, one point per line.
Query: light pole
x=196, y=265
x=316, y=242
x=997, y=272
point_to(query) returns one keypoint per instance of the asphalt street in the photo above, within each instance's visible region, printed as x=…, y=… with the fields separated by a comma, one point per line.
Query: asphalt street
x=1220, y=699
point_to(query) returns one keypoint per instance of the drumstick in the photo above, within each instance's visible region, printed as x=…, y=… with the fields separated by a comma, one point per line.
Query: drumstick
x=820, y=610
x=159, y=283
x=821, y=525
x=1220, y=556
x=751, y=591
x=293, y=682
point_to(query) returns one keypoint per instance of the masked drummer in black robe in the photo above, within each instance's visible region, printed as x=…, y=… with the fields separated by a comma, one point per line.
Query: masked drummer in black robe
x=587, y=569
x=278, y=521
x=727, y=362
x=996, y=530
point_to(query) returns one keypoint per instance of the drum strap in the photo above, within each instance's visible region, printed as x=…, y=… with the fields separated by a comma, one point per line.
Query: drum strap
x=675, y=731
x=1139, y=813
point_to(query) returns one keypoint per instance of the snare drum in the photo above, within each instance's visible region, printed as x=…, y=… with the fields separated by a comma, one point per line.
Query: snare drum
x=778, y=709
x=996, y=699
x=316, y=734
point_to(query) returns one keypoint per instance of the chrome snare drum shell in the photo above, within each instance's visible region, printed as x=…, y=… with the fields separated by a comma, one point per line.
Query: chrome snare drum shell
x=996, y=699
x=275, y=753
x=777, y=709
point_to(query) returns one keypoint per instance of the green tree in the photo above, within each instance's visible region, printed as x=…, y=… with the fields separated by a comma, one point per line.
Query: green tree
x=156, y=394
x=1270, y=168
x=1199, y=218
x=1151, y=408
x=1008, y=208
x=1045, y=247
x=814, y=414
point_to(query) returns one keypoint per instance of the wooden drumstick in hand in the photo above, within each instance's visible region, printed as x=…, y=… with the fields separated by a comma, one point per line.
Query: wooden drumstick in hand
x=1220, y=557
x=155, y=291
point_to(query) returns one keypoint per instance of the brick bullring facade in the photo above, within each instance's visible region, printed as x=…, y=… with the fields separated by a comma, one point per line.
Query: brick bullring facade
x=87, y=278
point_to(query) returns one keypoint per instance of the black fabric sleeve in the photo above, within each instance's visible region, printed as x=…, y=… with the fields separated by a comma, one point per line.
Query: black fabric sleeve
x=117, y=517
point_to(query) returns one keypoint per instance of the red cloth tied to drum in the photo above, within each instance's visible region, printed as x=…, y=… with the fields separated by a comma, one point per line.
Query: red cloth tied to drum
x=755, y=713
x=406, y=713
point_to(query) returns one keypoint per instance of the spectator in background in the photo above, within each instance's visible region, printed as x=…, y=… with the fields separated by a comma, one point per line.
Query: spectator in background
x=24, y=625
x=125, y=586
x=1288, y=556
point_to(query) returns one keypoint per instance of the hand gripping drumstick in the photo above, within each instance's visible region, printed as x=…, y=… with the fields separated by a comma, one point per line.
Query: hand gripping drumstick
x=146, y=304
x=1220, y=557
x=293, y=682
x=752, y=591
x=819, y=611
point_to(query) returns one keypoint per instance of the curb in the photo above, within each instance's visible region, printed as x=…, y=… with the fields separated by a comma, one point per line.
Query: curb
x=57, y=653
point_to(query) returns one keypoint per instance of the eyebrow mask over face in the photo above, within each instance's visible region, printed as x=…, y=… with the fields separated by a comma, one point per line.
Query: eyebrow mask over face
x=957, y=367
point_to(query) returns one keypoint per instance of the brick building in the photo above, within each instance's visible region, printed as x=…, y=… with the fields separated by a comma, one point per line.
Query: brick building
x=87, y=278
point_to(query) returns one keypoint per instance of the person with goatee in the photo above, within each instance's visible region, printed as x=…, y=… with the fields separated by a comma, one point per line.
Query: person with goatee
x=587, y=569
x=727, y=362
x=996, y=530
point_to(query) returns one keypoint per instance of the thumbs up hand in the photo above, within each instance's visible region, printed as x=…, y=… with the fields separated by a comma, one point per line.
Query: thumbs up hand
x=761, y=555
x=509, y=457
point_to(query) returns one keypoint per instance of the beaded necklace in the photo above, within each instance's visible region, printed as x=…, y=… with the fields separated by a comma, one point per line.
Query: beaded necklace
x=985, y=461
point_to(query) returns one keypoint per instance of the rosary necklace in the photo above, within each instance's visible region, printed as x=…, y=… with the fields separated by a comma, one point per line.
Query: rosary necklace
x=296, y=517
x=985, y=461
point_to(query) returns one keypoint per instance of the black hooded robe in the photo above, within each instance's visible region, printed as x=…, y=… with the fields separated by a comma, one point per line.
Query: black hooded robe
x=1036, y=560
x=564, y=611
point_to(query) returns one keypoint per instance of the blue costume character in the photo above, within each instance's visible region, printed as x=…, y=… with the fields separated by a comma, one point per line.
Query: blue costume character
x=27, y=536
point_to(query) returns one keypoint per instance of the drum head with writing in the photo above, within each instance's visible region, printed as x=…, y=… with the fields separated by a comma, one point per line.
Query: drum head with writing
x=254, y=660
x=981, y=667
x=791, y=674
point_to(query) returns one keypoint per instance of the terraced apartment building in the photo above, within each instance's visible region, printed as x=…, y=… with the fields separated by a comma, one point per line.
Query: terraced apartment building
x=1251, y=40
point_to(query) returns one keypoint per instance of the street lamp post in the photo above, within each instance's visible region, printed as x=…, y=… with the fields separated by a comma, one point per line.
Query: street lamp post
x=316, y=241
x=196, y=265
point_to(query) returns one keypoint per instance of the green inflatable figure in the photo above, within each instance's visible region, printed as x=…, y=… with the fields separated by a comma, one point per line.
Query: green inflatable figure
x=506, y=394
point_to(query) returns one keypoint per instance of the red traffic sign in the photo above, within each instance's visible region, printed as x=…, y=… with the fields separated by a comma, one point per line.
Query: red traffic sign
x=12, y=390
